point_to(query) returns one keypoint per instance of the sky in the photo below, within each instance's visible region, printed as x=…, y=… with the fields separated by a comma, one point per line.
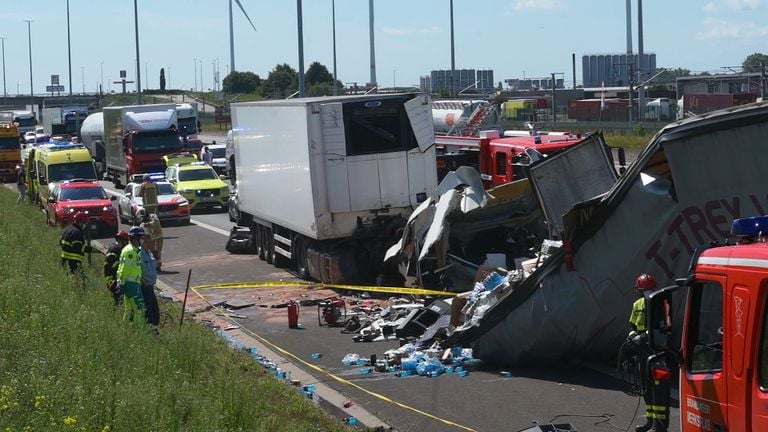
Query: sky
x=515, y=38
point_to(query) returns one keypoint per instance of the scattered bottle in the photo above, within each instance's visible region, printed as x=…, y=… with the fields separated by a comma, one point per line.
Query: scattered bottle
x=316, y=356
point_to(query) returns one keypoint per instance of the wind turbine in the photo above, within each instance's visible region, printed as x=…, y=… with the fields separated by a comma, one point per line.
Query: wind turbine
x=232, y=34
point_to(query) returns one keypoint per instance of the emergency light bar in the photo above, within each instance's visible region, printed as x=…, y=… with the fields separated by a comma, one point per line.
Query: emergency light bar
x=750, y=227
x=62, y=147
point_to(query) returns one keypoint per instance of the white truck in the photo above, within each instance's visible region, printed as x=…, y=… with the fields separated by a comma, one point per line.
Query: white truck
x=189, y=126
x=92, y=136
x=326, y=183
x=25, y=121
x=136, y=139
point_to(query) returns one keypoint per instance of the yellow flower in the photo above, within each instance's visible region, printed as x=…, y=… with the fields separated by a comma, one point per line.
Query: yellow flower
x=106, y=429
x=39, y=401
x=70, y=421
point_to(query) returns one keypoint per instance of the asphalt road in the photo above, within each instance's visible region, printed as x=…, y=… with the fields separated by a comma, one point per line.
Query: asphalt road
x=483, y=401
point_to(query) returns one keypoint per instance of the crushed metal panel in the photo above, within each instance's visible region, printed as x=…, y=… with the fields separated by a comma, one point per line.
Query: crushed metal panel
x=557, y=313
x=419, y=110
x=577, y=174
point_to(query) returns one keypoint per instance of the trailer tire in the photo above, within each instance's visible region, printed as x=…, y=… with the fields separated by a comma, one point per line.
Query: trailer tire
x=260, y=247
x=302, y=264
x=269, y=243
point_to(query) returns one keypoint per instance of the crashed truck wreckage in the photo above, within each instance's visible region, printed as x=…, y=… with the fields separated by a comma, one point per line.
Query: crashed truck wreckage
x=684, y=190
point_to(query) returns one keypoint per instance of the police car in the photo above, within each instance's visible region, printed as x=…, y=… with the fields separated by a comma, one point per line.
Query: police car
x=171, y=205
x=199, y=184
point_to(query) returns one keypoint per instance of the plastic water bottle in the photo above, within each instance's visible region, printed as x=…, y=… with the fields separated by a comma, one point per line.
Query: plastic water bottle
x=316, y=356
x=365, y=371
x=352, y=421
x=463, y=373
x=505, y=374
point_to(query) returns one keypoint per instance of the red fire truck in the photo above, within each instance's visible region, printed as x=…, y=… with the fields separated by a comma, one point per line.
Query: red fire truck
x=498, y=160
x=724, y=351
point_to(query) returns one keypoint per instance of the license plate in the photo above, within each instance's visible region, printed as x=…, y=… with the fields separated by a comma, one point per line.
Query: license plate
x=164, y=214
x=207, y=199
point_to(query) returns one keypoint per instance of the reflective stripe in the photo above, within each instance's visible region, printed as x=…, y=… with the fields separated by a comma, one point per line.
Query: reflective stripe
x=741, y=262
x=72, y=256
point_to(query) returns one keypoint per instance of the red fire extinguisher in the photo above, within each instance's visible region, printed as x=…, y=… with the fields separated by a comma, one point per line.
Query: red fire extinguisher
x=293, y=314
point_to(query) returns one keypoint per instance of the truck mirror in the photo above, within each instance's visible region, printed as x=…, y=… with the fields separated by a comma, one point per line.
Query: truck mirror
x=658, y=316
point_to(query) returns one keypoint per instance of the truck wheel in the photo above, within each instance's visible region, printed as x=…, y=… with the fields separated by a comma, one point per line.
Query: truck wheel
x=260, y=249
x=302, y=265
x=269, y=242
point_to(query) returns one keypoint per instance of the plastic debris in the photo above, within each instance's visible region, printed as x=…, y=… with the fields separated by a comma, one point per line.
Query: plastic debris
x=316, y=356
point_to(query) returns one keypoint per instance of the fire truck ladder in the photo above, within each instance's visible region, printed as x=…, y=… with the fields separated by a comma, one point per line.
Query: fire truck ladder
x=476, y=120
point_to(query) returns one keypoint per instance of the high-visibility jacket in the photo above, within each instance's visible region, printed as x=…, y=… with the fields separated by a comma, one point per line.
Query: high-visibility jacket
x=129, y=269
x=637, y=317
x=111, y=261
x=73, y=246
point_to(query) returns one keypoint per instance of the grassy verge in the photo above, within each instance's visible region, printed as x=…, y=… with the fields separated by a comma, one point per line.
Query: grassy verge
x=69, y=362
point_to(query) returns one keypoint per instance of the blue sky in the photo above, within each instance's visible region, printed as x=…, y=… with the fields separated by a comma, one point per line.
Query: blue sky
x=512, y=37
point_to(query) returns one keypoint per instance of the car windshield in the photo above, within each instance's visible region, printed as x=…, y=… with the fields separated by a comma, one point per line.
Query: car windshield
x=71, y=170
x=165, y=189
x=150, y=142
x=197, y=174
x=218, y=152
x=11, y=143
x=77, y=194
x=187, y=126
x=26, y=121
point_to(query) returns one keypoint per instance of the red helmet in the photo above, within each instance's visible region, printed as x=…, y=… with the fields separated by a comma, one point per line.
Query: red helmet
x=645, y=282
x=80, y=218
x=122, y=235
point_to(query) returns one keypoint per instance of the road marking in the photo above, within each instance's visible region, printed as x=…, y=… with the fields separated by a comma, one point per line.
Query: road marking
x=194, y=221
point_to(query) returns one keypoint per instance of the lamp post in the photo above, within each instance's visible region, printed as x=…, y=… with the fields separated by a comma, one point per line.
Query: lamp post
x=69, y=56
x=139, y=98
x=194, y=68
x=301, y=48
x=453, y=58
x=333, y=11
x=5, y=93
x=31, y=85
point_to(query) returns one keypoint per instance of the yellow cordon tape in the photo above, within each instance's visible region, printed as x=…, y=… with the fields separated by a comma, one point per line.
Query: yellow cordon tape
x=286, y=353
x=378, y=289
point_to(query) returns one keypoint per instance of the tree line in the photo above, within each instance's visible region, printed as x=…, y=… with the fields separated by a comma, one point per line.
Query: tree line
x=282, y=81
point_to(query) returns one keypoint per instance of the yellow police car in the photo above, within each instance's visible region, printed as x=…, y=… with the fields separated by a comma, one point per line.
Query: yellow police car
x=199, y=184
x=182, y=157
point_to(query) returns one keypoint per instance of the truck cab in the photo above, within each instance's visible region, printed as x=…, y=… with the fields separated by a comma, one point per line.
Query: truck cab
x=498, y=160
x=724, y=350
x=189, y=126
x=10, y=151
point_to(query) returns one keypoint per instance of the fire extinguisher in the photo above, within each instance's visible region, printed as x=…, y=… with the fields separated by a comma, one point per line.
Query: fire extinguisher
x=293, y=314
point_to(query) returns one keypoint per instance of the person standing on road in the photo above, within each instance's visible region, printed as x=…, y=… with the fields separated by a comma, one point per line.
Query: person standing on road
x=21, y=183
x=655, y=392
x=206, y=156
x=148, y=193
x=111, y=261
x=154, y=229
x=73, y=245
x=148, y=281
x=129, y=273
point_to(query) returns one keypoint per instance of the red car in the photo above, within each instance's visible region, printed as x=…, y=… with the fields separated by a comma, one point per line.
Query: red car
x=70, y=197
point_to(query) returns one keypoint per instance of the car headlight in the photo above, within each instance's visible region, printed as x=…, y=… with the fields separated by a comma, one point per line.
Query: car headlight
x=107, y=208
x=69, y=210
x=183, y=203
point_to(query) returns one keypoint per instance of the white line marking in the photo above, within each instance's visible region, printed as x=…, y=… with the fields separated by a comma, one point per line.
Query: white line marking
x=194, y=221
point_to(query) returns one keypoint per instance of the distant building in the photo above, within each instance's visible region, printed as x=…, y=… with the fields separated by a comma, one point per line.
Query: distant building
x=468, y=80
x=612, y=70
x=425, y=83
x=533, y=83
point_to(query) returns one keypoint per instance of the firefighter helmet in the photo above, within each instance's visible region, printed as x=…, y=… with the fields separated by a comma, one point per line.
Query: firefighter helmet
x=136, y=231
x=80, y=218
x=141, y=213
x=645, y=282
x=123, y=234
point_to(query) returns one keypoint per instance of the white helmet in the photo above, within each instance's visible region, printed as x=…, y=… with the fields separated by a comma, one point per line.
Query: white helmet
x=141, y=213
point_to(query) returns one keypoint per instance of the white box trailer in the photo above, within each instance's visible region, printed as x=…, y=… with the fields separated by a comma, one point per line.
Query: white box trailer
x=326, y=182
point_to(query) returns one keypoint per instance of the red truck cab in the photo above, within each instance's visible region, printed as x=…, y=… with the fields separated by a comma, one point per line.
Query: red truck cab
x=499, y=160
x=724, y=350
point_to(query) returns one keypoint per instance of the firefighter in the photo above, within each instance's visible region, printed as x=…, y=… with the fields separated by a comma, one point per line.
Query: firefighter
x=148, y=193
x=129, y=273
x=73, y=245
x=151, y=224
x=655, y=392
x=111, y=261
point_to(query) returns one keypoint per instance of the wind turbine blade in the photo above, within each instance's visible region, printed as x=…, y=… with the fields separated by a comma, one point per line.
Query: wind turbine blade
x=246, y=14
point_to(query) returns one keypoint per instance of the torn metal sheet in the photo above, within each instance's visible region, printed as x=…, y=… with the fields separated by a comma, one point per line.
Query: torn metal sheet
x=705, y=172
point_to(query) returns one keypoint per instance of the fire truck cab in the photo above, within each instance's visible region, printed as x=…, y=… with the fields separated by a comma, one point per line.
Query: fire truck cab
x=724, y=351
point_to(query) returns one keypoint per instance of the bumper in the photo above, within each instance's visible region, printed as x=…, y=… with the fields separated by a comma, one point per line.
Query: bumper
x=178, y=214
x=205, y=202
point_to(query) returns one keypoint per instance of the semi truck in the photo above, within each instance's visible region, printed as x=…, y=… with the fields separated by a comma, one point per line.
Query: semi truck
x=189, y=126
x=325, y=183
x=723, y=357
x=25, y=121
x=136, y=139
x=64, y=120
x=10, y=150
x=92, y=136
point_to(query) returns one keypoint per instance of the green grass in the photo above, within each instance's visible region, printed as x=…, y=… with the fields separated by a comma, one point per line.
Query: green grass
x=628, y=141
x=69, y=362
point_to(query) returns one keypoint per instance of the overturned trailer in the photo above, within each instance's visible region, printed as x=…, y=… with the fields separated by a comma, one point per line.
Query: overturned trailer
x=684, y=190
